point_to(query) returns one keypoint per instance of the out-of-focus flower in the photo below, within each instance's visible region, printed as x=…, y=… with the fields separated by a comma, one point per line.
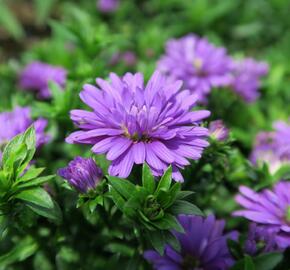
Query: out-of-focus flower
x=107, y=6
x=17, y=121
x=36, y=75
x=260, y=240
x=218, y=131
x=273, y=147
x=82, y=173
x=198, y=63
x=134, y=123
x=268, y=208
x=128, y=58
x=246, y=78
x=203, y=246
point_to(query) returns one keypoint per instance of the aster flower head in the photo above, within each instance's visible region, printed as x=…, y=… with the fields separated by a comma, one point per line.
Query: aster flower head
x=200, y=64
x=134, y=123
x=107, y=6
x=82, y=173
x=203, y=246
x=218, y=131
x=268, y=208
x=246, y=78
x=259, y=240
x=273, y=147
x=36, y=76
x=17, y=121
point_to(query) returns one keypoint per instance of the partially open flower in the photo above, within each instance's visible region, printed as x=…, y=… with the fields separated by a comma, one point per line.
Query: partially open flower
x=218, y=131
x=82, y=173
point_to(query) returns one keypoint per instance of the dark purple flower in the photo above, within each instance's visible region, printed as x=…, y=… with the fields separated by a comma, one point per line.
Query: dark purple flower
x=198, y=63
x=107, y=6
x=134, y=123
x=82, y=173
x=268, y=208
x=259, y=240
x=203, y=246
x=273, y=147
x=16, y=122
x=218, y=131
x=36, y=75
x=246, y=78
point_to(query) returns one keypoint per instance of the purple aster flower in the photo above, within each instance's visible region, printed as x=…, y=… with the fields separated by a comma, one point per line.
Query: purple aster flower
x=198, y=63
x=134, y=123
x=203, y=246
x=260, y=240
x=270, y=209
x=273, y=147
x=107, y=6
x=218, y=131
x=246, y=78
x=82, y=173
x=36, y=75
x=16, y=122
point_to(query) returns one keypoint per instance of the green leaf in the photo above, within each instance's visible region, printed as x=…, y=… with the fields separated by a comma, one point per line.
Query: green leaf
x=31, y=173
x=19, y=152
x=43, y=9
x=123, y=186
x=22, y=250
x=9, y=21
x=183, y=194
x=172, y=241
x=117, y=198
x=135, y=202
x=168, y=222
x=148, y=179
x=185, y=207
x=53, y=213
x=35, y=182
x=157, y=240
x=249, y=264
x=37, y=196
x=268, y=261
x=165, y=181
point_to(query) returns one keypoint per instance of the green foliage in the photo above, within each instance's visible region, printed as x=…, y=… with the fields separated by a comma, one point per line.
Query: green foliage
x=21, y=184
x=151, y=207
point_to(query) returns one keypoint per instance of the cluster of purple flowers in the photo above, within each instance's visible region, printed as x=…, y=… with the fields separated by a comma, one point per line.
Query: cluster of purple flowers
x=133, y=123
x=203, y=66
x=36, y=76
x=270, y=209
x=273, y=147
x=17, y=121
x=203, y=246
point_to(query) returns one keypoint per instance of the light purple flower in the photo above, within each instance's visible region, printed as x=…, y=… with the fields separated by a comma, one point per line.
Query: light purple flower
x=17, y=121
x=82, y=173
x=273, y=147
x=133, y=123
x=218, y=131
x=198, y=63
x=246, y=78
x=36, y=75
x=107, y=6
x=268, y=208
x=259, y=240
x=203, y=246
